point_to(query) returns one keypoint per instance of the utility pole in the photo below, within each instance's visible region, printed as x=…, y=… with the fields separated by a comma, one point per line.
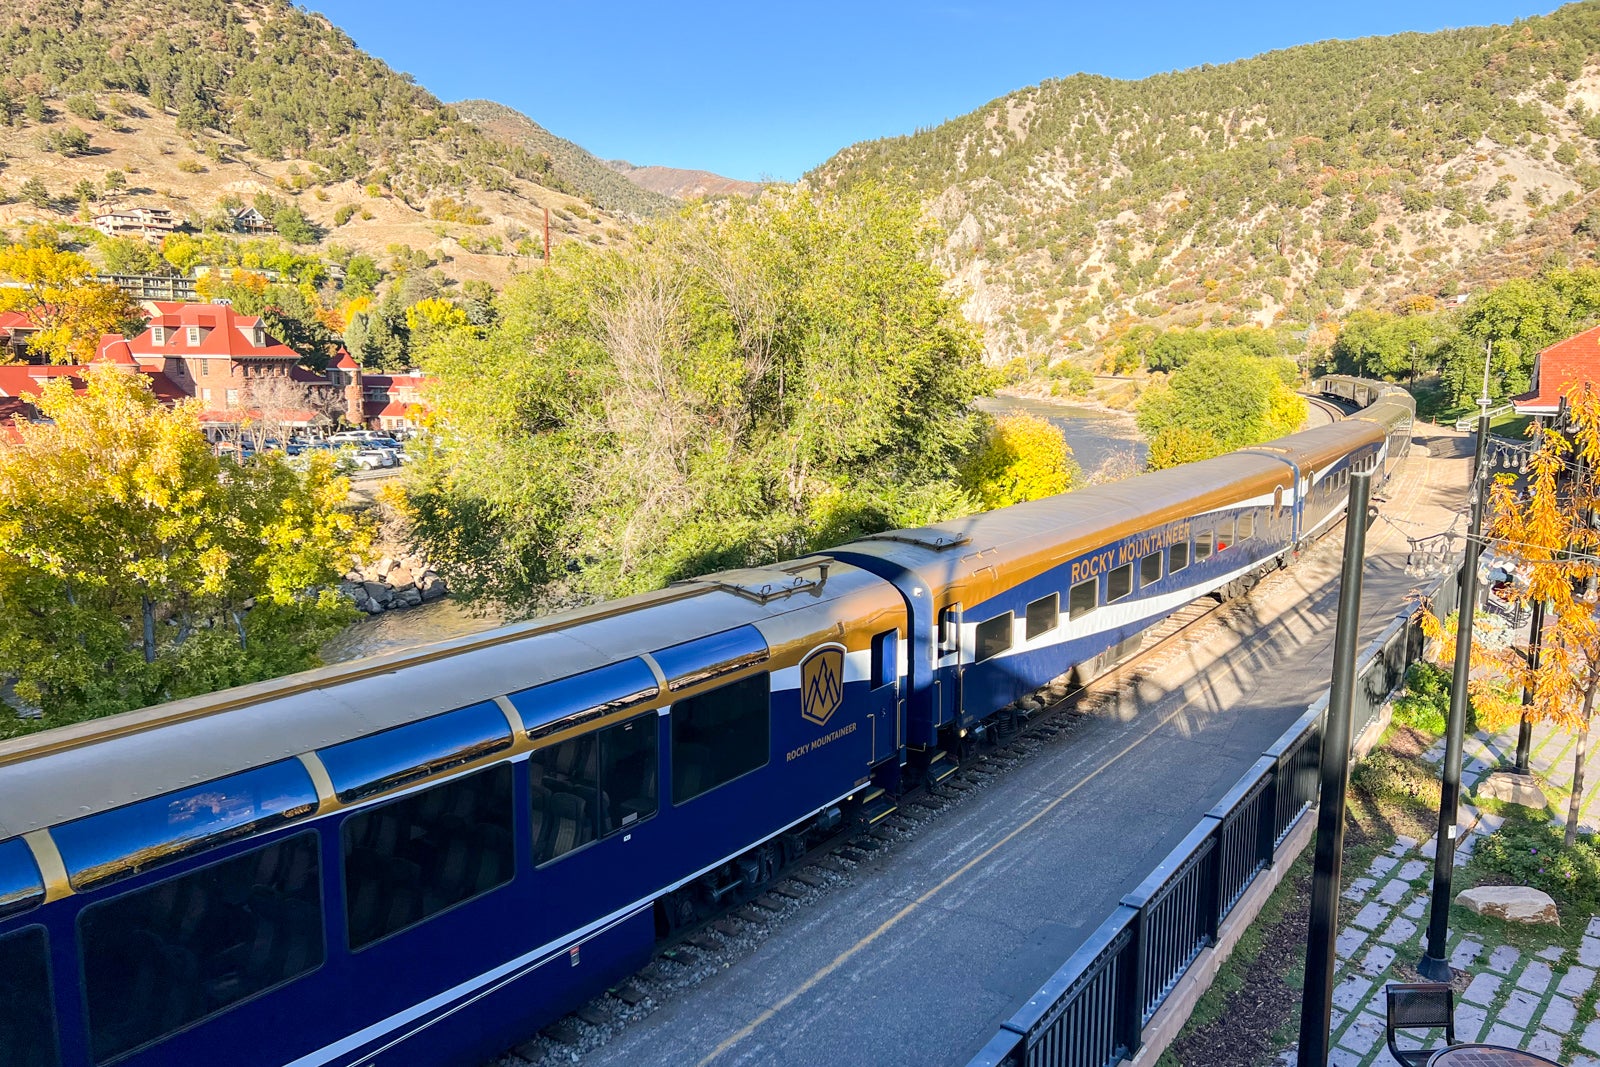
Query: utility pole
x=1316, y=999
x=1435, y=965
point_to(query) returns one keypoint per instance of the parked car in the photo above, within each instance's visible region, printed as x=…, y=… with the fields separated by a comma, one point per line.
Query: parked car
x=373, y=458
x=356, y=437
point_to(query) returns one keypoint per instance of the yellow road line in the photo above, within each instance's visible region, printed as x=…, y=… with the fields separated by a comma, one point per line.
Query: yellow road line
x=889, y=923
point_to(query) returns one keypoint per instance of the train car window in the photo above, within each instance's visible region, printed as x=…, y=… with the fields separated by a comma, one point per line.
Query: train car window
x=592, y=786
x=1178, y=557
x=950, y=630
x=704, y=659
x=27, y=1009
x=164, y=956
x=992, y=637
x=1202, y=545
x=1224, y=535
x=720, y=735
x=383, y=761
x=885, y=658
x=1150, y=569
x=580, y=699
x=21, y=886
x=1082, y=598
x=120, y=843
x=1247, y=526
x=1043, y=615
x=417, y=855
x=1119, y=583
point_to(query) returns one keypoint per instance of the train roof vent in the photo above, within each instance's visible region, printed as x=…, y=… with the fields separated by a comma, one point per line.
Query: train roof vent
x=762, y=584
x=934, y=539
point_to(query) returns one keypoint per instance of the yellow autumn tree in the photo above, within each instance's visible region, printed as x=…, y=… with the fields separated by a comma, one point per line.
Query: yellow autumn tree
x=1022, y=458
x=1546, y=528
x=136, y=567
x=58, y=291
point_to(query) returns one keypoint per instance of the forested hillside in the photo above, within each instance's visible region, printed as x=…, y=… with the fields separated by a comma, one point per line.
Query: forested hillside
x=204, y=104
x=1286, y=188
x=572, y=165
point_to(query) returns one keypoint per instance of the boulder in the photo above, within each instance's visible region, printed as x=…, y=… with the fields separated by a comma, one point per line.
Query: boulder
x=409, y=597
x=400, y=577
x=385, y=565
x=433, y=586
x=1513, y=903
x=377, y=592
x=1513, y=788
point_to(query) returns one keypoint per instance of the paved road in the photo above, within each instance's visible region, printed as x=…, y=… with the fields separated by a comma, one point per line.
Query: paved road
x=929, y=946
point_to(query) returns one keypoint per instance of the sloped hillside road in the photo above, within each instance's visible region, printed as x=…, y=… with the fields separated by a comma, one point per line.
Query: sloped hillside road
x=913, y=953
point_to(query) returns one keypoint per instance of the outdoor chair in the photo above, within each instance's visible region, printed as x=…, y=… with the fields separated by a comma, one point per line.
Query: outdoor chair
x=1419, y=1006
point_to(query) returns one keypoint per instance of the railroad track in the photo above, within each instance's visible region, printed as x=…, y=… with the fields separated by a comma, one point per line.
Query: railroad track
x=697, y=951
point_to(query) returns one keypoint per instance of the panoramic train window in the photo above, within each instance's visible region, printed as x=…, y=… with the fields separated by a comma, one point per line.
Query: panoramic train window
x=1082, y=598
x=1247, y=526
x=885, y=658
x=21, y=886
x=1224, y=534
x=427, y=851
x=992, y=637
x=1119, y=583
x=379, y=762
x=27, y=1011
x=594, y=785
x=164, y=956
x=1202, y=545
x=1178, y=557
x=1150, y=569
x=720, y=735
x=122, y=842
x=1043, y=615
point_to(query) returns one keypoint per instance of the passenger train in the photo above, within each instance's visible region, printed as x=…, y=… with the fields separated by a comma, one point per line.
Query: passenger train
x=424, y=857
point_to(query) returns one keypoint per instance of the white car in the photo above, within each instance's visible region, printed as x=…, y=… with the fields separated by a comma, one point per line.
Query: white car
x=372, y=459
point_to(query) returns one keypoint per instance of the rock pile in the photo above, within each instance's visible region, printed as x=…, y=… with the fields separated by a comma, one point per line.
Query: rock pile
x=393, y=582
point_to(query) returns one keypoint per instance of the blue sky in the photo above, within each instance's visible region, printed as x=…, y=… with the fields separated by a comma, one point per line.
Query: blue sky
x=769, y=90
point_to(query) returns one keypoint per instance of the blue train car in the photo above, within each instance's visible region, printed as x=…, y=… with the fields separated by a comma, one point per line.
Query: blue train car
x=417, y=859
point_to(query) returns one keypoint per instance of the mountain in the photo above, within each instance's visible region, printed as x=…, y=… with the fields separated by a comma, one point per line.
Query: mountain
x=1285, y=188
x=571, y=164
x=683, y=184
x=206, y=103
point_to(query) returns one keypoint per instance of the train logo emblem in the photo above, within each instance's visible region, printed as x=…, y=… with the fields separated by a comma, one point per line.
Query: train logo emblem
x=821, y=684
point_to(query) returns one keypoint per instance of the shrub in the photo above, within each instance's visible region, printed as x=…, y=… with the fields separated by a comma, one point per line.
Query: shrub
x=1425, y=704
x=1384, y=776
x=343, y=213
x=84, y=106
x=191, y=166
x=1529, y=852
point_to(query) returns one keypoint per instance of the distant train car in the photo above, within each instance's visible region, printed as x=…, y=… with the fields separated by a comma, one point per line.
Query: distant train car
x=421, y=858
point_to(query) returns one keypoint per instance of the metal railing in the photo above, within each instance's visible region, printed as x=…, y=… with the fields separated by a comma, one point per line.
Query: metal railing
x=1093, y=1010
x=1467, y=422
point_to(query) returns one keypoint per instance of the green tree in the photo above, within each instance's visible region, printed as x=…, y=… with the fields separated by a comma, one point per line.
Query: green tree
x=129, y=255
x=1219, y=401
x=737, y=385
x=1022, y=457
x=35, y=192
x=134, y=568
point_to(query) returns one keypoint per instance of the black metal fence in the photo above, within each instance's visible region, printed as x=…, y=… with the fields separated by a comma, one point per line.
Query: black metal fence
x=1093, y=1010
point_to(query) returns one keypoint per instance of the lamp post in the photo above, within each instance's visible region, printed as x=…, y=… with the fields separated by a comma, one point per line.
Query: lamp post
x=1316, y=997
x=1435, y=964
x=1525, y=727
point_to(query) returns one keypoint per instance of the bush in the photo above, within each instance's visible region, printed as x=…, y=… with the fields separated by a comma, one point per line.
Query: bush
x=1529, y=852
x=343, y=213
x=191, y=166
x=1386, y=777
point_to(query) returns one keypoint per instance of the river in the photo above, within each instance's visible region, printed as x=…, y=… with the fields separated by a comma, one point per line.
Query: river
x=1094, y=435
x=394, y=631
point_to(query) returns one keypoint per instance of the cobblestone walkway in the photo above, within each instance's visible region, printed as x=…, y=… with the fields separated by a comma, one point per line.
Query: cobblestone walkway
x=1524, y=1000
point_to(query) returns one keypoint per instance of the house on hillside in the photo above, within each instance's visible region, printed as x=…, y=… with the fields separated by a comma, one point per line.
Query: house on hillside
x=1556, y=370
x=150, y=223
x=142, y=287
x=249, y=220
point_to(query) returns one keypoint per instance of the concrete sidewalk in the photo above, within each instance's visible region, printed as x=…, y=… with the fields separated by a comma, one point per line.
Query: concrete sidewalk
x=1523, y=999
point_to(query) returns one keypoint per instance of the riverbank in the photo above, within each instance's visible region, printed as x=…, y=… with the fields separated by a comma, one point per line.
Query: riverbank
x=1100, y=437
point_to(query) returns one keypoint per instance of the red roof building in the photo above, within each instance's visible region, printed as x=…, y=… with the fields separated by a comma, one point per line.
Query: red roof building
x=1557, y=369
x=230, y=365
